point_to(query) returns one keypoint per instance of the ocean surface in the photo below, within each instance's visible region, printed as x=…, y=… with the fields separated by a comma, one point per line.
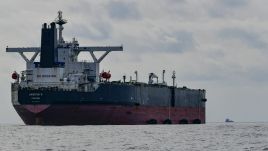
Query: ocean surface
x=211, y=136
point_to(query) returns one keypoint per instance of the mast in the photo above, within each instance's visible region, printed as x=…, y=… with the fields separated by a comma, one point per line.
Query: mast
x=173, y=78
x=60, y=21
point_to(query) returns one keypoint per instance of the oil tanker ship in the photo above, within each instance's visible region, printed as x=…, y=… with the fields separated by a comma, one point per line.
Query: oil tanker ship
x=60, y=90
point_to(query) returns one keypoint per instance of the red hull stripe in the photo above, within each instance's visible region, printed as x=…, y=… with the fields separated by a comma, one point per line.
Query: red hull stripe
x=106, y=114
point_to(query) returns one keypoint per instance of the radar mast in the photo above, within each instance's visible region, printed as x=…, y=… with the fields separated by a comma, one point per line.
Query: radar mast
x=60, y=21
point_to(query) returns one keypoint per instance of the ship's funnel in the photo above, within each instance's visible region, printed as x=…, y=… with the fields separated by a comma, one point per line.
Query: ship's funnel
x=49, y=53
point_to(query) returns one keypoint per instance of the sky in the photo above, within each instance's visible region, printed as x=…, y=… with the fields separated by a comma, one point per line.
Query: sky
x=218, y=45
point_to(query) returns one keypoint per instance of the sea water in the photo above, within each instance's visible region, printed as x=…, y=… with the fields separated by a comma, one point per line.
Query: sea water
x=211, y=136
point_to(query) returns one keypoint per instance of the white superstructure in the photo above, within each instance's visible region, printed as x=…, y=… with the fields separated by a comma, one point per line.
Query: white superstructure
x=67, y=73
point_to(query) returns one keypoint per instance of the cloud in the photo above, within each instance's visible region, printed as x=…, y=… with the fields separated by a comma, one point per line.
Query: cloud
x=177, y=42
x=257, y=75
x=81, y=7
x=226, y=8
x=99, y=30
x=122, y=10
x=233, y=3
x=248, y=38
x=158, y=41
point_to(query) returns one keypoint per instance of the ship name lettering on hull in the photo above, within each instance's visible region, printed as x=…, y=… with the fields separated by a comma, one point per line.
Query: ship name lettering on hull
x=46, y=76
x=35, y=94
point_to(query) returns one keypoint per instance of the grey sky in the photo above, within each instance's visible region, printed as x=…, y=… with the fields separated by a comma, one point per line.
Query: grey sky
x=218, y=45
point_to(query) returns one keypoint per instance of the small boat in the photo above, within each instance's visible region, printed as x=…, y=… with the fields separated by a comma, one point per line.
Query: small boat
x=228, y=120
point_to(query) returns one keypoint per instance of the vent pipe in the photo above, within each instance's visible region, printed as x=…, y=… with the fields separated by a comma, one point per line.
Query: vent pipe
x=136, y=74
x=163, y=76
x=124, y=78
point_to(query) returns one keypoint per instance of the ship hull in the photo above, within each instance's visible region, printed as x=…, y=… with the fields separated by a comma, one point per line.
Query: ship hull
x=108, y=114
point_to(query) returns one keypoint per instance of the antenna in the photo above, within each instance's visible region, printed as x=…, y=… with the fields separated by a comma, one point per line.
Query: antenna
x=60, y=21
x=173, y=78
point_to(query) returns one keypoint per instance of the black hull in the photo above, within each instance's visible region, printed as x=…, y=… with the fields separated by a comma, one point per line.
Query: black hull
x=110, y=104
